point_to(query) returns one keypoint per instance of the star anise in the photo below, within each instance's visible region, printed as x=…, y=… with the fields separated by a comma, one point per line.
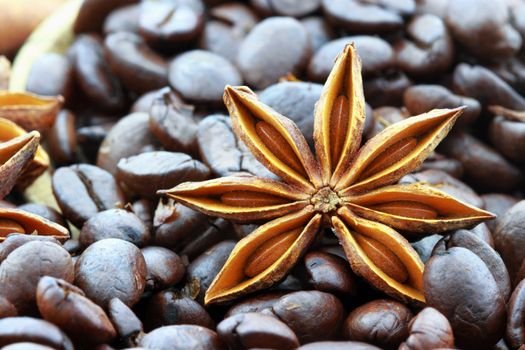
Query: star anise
x=348, y=188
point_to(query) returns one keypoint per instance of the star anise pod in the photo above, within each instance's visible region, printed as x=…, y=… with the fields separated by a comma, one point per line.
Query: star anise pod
x=348, y=188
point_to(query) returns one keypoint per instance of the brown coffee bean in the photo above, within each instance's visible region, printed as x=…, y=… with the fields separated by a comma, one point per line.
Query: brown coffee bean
x=14, y=241
x=254, y=330
x=262, y=60
x=439, y=162
x=419, y=99
x=482, y=232
x=82, y=190
x=165, y=268
x=387, y=89
x=23, y=268
x=66, y=306
x=123, y=19
x=28, y=329
x=173, y=222
x=509, y=237
x=6, y=308
x=62, y=138
x=319, y=31
x=45, y=212
x=424, y=246
x=149, y=172
x=455, y=275
x=168, y=308
x=114, y=223
x=51, y=74
x=329, y=273
x=286, y=8
x=255, y=303
x=89, y=139
x=111, y=268
x=127, y=324
x=188, y=337
x=429, y=330
x=93, y=12
x=498, y=204
x=138, y=67
x=380, y=322
x=338, y=345
x=94, y=77
x=515, y=331
x=508, y=137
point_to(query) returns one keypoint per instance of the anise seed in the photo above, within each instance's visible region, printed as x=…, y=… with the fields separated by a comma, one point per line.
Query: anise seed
x=271, y=250
x=251, y=199
x=278, y=145
x=390, y=156
x=383, y=258
x=338, y=127
x=8, y=226
x=409, y=209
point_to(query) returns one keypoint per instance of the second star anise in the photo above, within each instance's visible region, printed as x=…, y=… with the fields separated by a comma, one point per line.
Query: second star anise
x=349, y=188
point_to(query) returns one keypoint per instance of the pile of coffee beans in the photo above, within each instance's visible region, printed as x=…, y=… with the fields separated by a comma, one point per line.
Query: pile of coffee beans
x=143, y=84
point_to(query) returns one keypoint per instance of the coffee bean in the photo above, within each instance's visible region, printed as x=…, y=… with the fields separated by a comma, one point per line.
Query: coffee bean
x=111, y=268
x=28, y=329
x=425, y=245
x=429, y=330
x=144, y=210
x=126, y=323
x=14, y=241
x=497, y=203
x=515, y=331
x=338, y=345
x=165, y=268
x=123, y=19
x=286, y=8
x=262, y=60
x=21, y=271
x=329, y=273
x=114, y=223
x=27, y=346
x=320, y=32
x=82, y=190
x=380, y=322
x=254, y=330
x=62, y=138
x=387, y=89
x=439, y=162
x=181, y=336
x=51, y=74
x=60, y=302
x=93, y=12
x=45, y=212
x=508, y=137
x=255, y=303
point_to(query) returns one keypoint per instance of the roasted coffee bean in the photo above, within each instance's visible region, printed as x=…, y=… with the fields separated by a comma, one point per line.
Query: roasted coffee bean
x=28, y=329
x=27, y=346
x=312, y=315
x=380, y=322
x=376, y=53
x=482, y=231
x=114, y=223
x=134, y=129
x=168, y=308
x=45, y=212
x=201, y=76
x=439, y=162
x=171, y=25
x=89, y=139
x=165, y=268
x=188, y=337
x=262, y=60
x=498, y=204
x=338, y=345
x=286, y=8
x=387, y=89
x=82, y=190
x=149, y=172
x=319, y=31
x=515, y=331
x=94, y=76
x=429, y=330
x=255, y=303
x=425, y=246
x=254, y=330
x=111, y=268
x=127, y=324
x=144, y=209
x=123, y=19
x=62, y=138
x=429, y=50
x=66, y=306
x=138, y=67
x=329, y=273
x=509, y=237
x=508, y=137
x=419, y=99
x=51, y=74
x=22, y=269
x=14, y=241
x=454, y=275
x=6, y=308
x=93, y=12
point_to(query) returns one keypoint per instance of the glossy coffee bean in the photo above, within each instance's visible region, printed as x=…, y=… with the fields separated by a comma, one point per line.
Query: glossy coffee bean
x=508, y=237
x=123, y=19
x=387, y=89
x=429, y=330
x=165, y=268
x=329, y=273
x=93, y=12
x=21, y=271
x=508, y=137
x=82, y=190
x=27, y=329
x=262, y=60
x=255, y=330
x=60, y=302
x=515, y=331
x=168, y=308
x=111, y=268
x=201, y=76
x=380, y=322
x=455, y=275
x=127, y=324
x=338, y=345
x=139, y=68
x=256, y=303
x=62, y=139
x=183, y=337
x=51, y=74
x=498, y=204
x=114, y=223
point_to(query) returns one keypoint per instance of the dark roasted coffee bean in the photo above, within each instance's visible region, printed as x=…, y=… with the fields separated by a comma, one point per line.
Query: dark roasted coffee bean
x=498, y=204
x=387, y=89
x=123, y=19
x=338, y=345
x=60, y=302
x=14, y=241
x=429, y=49
x=380, y=322
x=114, y=223
x=254, y=330
x=89, y=139
x=286, y=8
x=515, y=332
x=149, y=172
x=187, y=337
x=127, y=324
x=45, y=212
x=425, y=246
x=93, y=74
x=168, y=308
x=171, y=25
x=82, y=190
x=255, y=303
x=429, y=330
x=262, y=60
x=509, y=238
x=23, y=268
x=144, y=209
x=165, y=268
x=454, y=275
x=93, y=12
x=134, y=129
x=439, y=162
x=27, y=329
x=51, y=74
x=111, y=268
x=319, y=31
x=62, y=139
x=508, y=137
x=329, y=273
x=419, y=99
x=138, y=67
x=482, y=232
